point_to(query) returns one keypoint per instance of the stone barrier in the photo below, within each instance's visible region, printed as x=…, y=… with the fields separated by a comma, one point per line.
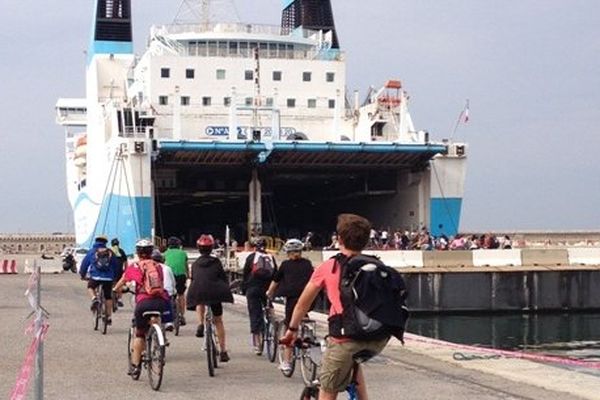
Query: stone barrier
x=584, y=256
x=47, y=266
x=544, y=257
x=459, y=258
x=497, y=258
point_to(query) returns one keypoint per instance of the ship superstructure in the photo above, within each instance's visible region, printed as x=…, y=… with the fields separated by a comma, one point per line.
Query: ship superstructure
x=251, y=126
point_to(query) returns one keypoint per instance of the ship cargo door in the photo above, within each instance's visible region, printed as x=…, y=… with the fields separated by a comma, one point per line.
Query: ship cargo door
x=192, y=200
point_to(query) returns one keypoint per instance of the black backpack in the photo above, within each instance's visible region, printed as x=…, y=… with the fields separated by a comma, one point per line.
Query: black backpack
x=373, y=298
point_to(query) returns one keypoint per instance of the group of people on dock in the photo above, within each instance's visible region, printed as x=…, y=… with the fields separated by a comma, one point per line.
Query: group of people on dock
x=160, y=278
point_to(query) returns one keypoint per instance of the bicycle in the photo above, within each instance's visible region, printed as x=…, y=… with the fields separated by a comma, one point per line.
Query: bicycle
x=178, y=315
x=210, y=341
x=308, y=366
x=270, y=330
x=99, y=311
x=153, y=357
x=311, y=390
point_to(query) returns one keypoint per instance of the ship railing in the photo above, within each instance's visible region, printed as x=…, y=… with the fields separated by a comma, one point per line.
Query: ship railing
x=228, y=27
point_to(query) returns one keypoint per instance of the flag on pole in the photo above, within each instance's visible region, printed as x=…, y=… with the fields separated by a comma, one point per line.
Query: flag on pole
x=465, y=113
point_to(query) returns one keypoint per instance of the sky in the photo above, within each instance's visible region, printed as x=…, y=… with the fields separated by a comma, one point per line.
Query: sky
x=530, y=68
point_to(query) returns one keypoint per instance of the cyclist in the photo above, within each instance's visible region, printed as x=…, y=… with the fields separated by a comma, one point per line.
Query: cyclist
x=289, y=281
x=337, y=363
x=143, y=301
x=169, y=283
x=209, y=287
x=258, y=272
x=121, y=263
x=177, y=259
x=99, y=267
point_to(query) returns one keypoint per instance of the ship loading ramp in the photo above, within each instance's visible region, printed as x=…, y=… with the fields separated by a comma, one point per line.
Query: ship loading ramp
x=286, y=189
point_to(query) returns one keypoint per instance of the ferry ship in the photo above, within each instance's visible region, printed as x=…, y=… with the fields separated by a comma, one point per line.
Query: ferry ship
x=248, y=126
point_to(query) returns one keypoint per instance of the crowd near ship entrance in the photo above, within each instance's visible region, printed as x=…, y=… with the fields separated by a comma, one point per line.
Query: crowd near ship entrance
x=290, y=194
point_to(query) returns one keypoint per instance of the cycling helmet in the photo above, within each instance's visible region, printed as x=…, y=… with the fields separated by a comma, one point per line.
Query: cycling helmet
x=101, y=238
x=173, y=242
x=293, y=245
x=114, y=242
x=157, y=256
x=205, y=241
x=144, y=247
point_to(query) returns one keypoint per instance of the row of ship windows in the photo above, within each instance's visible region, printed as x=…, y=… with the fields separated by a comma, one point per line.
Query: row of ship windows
x=234, y=48
x=207, y=101
x=221, y=74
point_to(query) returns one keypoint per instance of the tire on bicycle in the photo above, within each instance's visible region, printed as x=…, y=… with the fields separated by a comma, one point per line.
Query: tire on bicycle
x=155, y=358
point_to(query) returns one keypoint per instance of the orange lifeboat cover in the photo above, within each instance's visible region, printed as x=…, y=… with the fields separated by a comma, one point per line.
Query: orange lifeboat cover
x=393, y=84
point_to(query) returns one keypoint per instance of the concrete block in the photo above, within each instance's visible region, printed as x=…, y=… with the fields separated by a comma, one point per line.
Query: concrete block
x=497, y=258
x=47, y=266
x=399, y=258
x=459, y=258
x=584, y=255
x=546, y=257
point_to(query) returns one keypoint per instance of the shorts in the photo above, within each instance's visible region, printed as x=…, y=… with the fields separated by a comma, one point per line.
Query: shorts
x=290, y=303
x=180, y=283
x=216, y=308
x=336, y=367
x=141, y=321
x=106, y=287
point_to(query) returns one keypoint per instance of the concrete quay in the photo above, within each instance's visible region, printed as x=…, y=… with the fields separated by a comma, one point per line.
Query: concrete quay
x=81, y=363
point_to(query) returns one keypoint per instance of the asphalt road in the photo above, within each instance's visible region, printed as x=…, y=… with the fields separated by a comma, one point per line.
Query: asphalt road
x=83, y=364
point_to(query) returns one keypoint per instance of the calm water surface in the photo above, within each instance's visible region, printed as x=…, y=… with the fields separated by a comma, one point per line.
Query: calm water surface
x=572, y=335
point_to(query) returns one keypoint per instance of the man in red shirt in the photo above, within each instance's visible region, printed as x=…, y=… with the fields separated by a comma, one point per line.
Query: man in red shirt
x=336, y=368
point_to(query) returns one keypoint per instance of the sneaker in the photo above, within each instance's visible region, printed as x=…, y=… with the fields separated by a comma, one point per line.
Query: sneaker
x=134, y=370
x=285, y=366
x=224, y=356
x=257, y=351
x=94, y=305
x=200, y=331
x=182, y=320
x=169, y=327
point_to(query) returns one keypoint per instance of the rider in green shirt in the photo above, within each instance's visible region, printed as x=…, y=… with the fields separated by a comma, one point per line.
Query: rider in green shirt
x=177, y=259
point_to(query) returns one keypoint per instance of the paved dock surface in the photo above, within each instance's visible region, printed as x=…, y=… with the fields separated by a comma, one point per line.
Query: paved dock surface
x=83, y=364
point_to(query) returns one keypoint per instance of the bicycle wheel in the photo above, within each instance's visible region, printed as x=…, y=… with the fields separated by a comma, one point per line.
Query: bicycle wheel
x=103, y=313
x=272, y=329
x=310, y=393
x=210, y=344
x=215, y=350
x=308, y=367
x=155, y=353
x=96, y=318
x=177, y=319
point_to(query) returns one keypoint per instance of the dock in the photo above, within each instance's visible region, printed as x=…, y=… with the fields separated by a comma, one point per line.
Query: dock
x=82, y=363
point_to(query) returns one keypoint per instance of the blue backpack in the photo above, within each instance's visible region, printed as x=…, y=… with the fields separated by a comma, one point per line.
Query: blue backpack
x=102, y=259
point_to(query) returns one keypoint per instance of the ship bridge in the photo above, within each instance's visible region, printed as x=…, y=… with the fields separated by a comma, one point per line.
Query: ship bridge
x=285, y=188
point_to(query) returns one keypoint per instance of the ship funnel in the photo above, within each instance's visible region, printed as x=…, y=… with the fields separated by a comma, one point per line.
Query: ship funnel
x=112, y=32
x=309, y=14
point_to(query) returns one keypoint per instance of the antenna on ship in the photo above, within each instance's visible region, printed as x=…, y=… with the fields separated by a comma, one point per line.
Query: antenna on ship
x=206, y=11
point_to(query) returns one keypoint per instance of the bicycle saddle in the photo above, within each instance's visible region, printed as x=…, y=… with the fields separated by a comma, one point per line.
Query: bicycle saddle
x=152, y=314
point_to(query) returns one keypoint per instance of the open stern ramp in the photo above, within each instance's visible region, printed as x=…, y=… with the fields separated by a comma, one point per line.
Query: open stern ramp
x=287, y=188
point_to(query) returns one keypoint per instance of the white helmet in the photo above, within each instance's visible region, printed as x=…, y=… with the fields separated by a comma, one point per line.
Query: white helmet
x=144, y=246
x=293, y=245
